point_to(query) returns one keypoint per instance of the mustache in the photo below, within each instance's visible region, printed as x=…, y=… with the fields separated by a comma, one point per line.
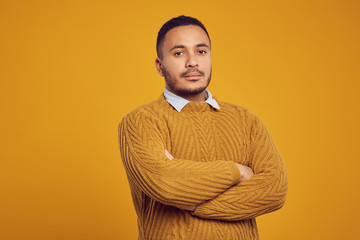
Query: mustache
x=191, y=71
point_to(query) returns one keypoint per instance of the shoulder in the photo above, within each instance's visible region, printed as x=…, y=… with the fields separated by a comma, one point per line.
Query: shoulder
x=244, y=117
x=238, y=111
x=149, y=111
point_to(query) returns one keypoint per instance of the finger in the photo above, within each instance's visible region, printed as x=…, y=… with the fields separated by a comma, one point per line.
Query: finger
x=187, y=208
x=168, y=155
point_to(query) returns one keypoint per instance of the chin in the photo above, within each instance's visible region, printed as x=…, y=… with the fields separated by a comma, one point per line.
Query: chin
x=188, y=87
x=190, y=91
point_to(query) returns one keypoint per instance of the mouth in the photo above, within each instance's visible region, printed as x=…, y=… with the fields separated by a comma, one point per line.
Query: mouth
x=193, y=76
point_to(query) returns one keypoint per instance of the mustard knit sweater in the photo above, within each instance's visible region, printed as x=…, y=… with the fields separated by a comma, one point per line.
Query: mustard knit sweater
x=205, y=143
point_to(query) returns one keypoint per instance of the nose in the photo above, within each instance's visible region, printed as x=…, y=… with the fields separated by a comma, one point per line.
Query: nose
x=192, y=61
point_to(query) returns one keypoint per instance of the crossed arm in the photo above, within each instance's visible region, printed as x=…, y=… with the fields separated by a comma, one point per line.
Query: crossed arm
x=259, y=193
x=245, y=172
x=220, y=190
x=181, y=182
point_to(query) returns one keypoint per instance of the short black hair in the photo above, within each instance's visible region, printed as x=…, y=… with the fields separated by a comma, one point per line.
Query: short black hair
x=173, y=23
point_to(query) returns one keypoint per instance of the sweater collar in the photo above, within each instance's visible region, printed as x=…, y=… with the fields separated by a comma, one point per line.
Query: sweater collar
x=179, y=103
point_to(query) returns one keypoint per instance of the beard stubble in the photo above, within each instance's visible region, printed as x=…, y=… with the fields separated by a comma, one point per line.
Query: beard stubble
x=185, y=91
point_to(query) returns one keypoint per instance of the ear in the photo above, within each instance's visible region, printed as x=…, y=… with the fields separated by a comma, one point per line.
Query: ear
x=159, y=66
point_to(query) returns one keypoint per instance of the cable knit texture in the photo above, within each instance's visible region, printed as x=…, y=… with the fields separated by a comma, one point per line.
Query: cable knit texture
x=205, y=143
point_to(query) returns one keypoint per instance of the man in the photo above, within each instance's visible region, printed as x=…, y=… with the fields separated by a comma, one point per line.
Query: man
x=198, y=167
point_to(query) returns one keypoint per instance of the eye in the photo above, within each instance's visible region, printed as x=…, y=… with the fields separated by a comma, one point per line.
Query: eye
x=178, y=53
x=202, y=51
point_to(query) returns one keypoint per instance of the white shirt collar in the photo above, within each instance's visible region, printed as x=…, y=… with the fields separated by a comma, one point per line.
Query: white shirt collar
x=179, y=103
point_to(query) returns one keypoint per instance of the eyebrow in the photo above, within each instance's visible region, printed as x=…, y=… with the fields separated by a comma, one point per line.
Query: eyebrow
x=202, y=45
x=182, y=46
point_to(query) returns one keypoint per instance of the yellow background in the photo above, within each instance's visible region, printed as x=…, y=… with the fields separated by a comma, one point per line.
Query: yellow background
x=70, y=70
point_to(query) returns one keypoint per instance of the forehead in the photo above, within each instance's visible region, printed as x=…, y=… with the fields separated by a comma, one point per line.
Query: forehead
x=189, y=35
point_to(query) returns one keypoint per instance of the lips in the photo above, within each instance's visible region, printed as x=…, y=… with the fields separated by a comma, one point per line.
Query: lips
x=193, y=75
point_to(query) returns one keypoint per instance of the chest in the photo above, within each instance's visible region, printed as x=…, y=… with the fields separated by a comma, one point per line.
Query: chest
x=208, y=137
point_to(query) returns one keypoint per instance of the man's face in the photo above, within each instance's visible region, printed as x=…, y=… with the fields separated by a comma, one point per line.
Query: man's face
x=186, y=60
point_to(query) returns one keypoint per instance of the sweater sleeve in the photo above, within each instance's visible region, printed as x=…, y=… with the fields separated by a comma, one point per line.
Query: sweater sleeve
x=171, y=182
x=263, y=193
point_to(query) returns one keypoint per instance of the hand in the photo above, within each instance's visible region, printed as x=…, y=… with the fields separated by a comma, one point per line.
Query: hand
x=187, y=208
x=245, y=171
x=168, y=155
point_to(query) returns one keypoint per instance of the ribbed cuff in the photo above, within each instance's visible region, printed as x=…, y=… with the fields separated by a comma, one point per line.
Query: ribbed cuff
x=200, y=211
